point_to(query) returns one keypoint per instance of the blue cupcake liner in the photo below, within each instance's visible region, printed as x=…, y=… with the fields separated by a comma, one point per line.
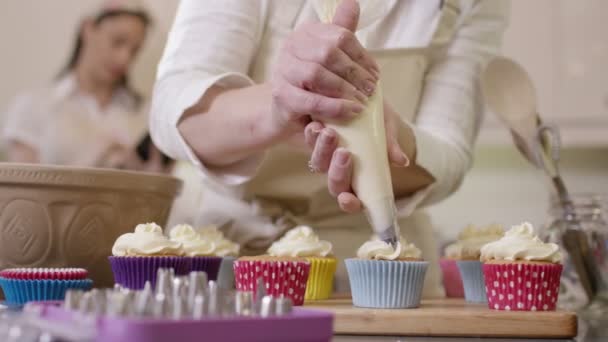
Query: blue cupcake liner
x=225, y=275
x=473, y=282
x=19, y=292
x=386, y=284
x=208, y=264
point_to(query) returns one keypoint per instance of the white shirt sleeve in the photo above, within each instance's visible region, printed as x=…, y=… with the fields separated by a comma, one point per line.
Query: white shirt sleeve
x=451, y=107
x=23, y=124
x=212, y=42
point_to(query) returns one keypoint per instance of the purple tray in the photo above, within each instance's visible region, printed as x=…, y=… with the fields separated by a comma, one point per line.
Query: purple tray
x=303, y=325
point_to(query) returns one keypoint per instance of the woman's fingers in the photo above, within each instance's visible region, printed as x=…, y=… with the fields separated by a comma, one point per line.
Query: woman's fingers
x=299, y=102
x=349, y=203
x=339, y=176
x=346, y=41
x=396, y=156
x=326, y=144
x=318, y=79
x=311, y=133
x=332, y=47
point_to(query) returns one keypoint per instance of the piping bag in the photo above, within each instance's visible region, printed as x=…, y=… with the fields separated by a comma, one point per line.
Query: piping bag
x=365, y=137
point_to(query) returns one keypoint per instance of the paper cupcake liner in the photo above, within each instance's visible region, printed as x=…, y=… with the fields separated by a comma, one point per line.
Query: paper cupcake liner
x=208, y=264
x=321, y=278
x=523, y=287
x=282, y=278
x=225, y=276
x=386, y=284
x=133, y=272
x=473, y=284
x=45, y=273
x=451, y=278
x=19, y=292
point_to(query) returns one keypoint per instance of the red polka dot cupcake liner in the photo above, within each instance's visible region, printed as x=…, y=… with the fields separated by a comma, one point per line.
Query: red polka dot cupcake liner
x=522, y=286
x=44, y=273
x=282, y=278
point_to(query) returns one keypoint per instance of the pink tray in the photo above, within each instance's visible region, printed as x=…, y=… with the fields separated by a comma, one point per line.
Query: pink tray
x=303, y=325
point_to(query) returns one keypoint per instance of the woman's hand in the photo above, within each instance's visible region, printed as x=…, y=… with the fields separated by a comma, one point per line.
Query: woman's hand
x=322, y=73
x=336, y=161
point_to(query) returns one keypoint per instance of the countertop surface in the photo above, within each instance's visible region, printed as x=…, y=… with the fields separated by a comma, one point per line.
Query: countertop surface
x=588, y=331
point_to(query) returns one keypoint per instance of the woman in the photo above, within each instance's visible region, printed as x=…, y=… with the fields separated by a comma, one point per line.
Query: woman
x=89, y=116
x=244, y=87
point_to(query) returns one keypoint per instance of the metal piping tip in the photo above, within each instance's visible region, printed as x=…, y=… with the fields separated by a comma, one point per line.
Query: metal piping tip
x=389, y=236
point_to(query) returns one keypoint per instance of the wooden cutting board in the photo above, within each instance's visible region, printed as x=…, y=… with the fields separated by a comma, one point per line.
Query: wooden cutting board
x=448, y=317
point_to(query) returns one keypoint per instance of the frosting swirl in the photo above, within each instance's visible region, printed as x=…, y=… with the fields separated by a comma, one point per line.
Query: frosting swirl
x=521, y=243
x=148, y=239
x=192, y=242
x=222, y=247
x=377, y=249
x=470, y=241
x=300, y=242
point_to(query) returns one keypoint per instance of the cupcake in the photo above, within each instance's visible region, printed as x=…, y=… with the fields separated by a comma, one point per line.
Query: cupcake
x=465, y=253
x=22, y=285
x=521, y=271
x=137, y=256
x=198, y=250
x=387, y=277
x=225, y=249
x=303, y=242
x=283, y=275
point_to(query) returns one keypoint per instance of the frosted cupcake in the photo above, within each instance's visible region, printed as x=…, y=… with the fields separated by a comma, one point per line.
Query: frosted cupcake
x=137, y=256
x=385, y=277
x=521, y=271
x=284, y=273
x=465, y=252
x=198, y=250
x=303, y=242
x=224, y=248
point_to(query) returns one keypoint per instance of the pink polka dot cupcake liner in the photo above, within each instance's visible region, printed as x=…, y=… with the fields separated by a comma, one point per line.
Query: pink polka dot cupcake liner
x=282, y=278
x=522, y=287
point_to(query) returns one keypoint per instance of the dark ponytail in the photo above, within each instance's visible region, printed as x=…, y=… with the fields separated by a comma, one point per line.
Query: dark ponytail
x=75, y=55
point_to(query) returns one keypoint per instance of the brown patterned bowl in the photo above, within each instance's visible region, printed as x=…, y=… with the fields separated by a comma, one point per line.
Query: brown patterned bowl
x=53, y=216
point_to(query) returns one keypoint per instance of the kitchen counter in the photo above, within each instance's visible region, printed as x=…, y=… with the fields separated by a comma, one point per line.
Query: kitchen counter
x=588, y=331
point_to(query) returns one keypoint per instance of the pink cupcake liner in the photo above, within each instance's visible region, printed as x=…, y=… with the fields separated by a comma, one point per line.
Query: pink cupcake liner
x=522, y=287
x=452, y=281
x=282, y=278
x=45, y=273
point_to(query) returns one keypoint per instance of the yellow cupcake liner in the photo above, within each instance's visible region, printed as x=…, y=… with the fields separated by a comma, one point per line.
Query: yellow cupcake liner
x=320, y=278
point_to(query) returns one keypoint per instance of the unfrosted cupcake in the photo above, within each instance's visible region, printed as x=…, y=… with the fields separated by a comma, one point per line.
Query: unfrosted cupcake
x=303, y=242
x=465, y=253
x=198, y=250
x=224, y=248
x=385, y=277
x=137, y=256
x=521, y=271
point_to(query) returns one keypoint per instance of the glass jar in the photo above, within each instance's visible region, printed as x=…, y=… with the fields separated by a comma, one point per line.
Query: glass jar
x=585, y=221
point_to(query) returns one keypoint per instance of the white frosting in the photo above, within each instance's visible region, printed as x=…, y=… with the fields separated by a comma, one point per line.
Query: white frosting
x=193, y=243
x=376, y=249
x=300, y=242
x=148, y=239
x=221, y=246
x=470, y=241
x=521, y=243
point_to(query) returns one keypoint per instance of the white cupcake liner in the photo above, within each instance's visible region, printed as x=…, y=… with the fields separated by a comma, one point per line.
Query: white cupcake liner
x=386, y=284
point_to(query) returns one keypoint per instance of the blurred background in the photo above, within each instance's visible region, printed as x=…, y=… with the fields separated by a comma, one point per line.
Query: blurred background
x=560, y=42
